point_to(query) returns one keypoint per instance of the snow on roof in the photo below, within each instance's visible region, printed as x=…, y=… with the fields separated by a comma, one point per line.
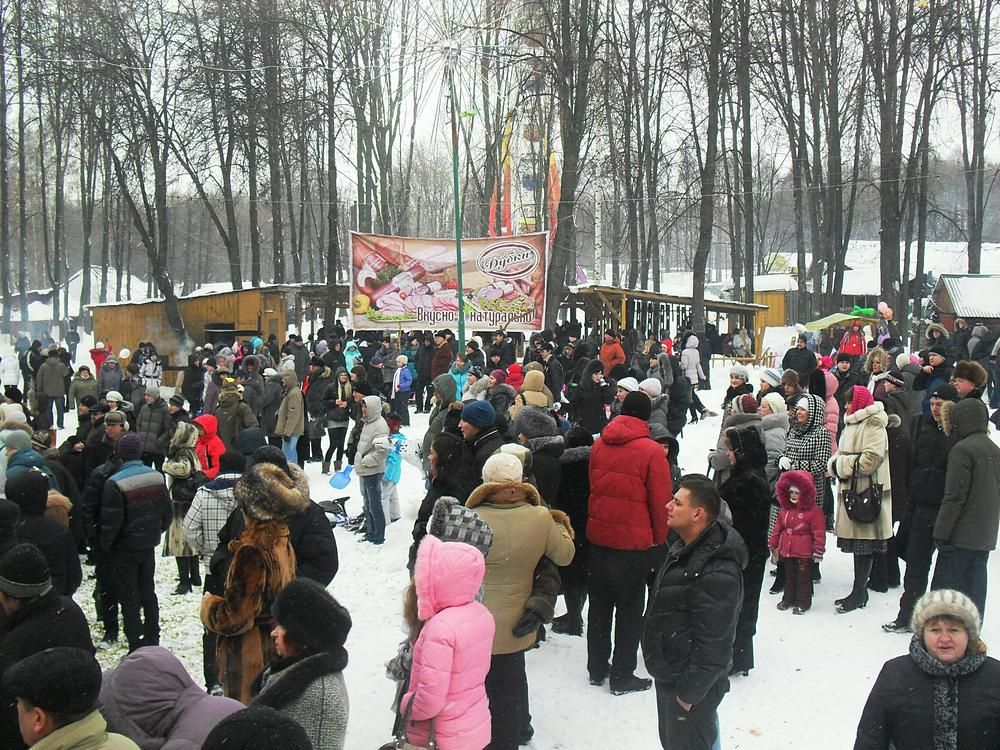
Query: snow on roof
x=862, y=282
x=770, y=282
x=971, y=296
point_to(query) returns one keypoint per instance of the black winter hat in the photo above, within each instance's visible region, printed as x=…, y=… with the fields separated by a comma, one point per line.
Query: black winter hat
x=637, y=405
x=946, y=392
x=257, y=728
x=313, y=619
x=317, y=362
x=89, y=401
x=177, y=400
x=844, y=357
x=24, y=572
x=271, y=454
x=61, y=680
x=29, y=490
x=129, y=447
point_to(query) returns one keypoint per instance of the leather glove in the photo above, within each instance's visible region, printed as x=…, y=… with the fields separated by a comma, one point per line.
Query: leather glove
x=529, y=623
x=785, y=463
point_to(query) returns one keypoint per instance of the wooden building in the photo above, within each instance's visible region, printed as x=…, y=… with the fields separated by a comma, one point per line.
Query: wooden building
x=611, y=307
x=974, y=297
x=212, y=315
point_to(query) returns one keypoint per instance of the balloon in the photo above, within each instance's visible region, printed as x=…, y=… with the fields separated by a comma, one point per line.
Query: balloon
x=882, y=307
x=887, y=313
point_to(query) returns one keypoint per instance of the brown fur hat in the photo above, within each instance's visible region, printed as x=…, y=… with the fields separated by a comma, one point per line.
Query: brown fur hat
x=267, y=492
x=971, y=371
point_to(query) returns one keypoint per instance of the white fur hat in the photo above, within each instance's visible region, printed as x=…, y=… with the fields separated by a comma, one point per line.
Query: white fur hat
x=776, y=403
x=947, y=603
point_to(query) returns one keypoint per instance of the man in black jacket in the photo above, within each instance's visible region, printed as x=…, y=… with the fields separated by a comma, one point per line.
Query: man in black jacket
x=928, y=467
x=687, y=641
x=135, y=510
x=800, y=359
x=478, y=427
x=555, y=376
x=505, y=345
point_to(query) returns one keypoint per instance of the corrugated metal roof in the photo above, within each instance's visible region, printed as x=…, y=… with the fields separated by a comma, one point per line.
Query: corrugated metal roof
x=969, y=296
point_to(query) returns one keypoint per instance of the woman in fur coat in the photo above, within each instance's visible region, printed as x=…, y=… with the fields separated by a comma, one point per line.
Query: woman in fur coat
x=263, y=564
x=863, y=449
x=305, y=678
x=574, y=492
x=742, y=413
x=183, y=467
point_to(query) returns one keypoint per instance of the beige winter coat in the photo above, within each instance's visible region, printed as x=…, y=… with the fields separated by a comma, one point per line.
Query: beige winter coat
x=533, y=393
x=291, y=410
x=523, y=531
x=864, y=435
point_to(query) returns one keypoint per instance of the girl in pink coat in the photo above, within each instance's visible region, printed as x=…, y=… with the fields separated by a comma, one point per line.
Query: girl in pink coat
x=451, y=656
x=832, y=410
x=799, y=537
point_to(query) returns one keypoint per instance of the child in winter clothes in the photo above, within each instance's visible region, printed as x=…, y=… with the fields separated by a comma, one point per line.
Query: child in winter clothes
x=798, y=538
x=451, y=656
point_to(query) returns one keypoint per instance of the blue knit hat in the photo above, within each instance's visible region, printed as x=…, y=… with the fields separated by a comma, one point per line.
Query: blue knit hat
x=479, y=414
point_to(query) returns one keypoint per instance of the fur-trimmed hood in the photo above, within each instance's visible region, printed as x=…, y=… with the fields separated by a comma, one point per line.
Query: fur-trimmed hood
x=875, y=412
x=803, y=482
x=266, y=492
x=748, y=447
x=935, y=327
x=966, y=417
x=535, y=422
x=502, y=494
x=185, y=436
x=575, y=454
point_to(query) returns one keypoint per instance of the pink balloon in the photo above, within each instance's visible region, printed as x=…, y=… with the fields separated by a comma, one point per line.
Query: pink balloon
x=882, y=307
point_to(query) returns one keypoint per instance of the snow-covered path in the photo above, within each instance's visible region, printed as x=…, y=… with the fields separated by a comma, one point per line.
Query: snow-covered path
x=813, y=673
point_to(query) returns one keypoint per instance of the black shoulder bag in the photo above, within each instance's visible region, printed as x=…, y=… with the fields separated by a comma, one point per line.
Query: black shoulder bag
x=863, y=506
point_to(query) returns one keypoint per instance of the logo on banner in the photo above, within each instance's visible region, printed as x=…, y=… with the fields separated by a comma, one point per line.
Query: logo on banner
x=508, y=260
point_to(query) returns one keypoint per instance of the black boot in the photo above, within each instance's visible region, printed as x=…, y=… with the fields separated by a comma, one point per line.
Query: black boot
x=183, y=576
x=779, y=578
x=195, y=569
x=858, y=598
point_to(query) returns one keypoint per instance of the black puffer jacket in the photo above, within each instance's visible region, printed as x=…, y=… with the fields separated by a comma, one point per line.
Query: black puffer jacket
x=687, y=639
x=154, y=427
x=269, y=403
x=678, y=403
x=545, y=453
x=900, y=709
x=572, y=499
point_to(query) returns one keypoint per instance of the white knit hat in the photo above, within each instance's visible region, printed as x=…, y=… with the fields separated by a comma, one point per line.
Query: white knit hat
x=947, y=603
x=628, y=384
x=502, y=467
x=771, y=376
x=776, y=402
x=651, y=387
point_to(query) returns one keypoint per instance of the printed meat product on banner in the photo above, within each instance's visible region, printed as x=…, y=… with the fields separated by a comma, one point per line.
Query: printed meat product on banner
x=403, y=281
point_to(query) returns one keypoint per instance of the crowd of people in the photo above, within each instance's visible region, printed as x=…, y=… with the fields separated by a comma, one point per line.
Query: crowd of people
x=550, y=473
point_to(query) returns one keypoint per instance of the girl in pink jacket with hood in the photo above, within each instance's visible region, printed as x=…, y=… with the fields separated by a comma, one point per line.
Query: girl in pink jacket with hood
x=451, y=656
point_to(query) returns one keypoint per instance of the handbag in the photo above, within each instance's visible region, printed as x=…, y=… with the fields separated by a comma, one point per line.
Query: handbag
x=863, y=506
x=401, y=743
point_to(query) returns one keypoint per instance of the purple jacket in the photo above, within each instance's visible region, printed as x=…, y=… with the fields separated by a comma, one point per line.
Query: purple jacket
x=151, y=699
x=452, y=654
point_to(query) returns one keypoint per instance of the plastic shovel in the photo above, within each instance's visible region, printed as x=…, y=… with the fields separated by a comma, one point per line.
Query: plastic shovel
x=342, y=478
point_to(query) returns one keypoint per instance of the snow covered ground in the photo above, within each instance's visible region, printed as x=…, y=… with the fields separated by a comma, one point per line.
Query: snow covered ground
x=812, y=677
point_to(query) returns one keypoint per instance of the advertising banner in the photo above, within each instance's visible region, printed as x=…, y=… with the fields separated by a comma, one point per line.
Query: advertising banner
x=404, y=282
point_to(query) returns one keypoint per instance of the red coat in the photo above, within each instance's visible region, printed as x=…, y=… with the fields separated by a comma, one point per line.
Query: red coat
x=209, y=446
x=800, y=530
x=629, y=487
x=853, y=343
x=98, y=356
x=612, y=354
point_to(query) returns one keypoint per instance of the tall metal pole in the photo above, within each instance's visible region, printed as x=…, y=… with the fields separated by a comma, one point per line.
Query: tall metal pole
x=458, y=204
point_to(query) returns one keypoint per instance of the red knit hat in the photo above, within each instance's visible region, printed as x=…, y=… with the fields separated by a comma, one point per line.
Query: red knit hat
x=861, y=398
